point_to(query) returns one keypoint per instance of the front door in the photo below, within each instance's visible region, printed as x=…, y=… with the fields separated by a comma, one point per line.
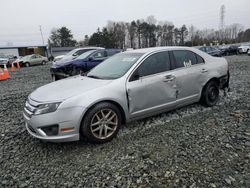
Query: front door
x=97, y=58
x=151, y=87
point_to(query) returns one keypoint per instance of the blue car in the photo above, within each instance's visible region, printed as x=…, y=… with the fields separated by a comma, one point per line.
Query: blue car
x=81, y=64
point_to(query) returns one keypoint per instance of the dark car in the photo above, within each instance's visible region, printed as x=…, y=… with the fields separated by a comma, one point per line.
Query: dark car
x=210, y=50
x=81, y=64
x=230, y=50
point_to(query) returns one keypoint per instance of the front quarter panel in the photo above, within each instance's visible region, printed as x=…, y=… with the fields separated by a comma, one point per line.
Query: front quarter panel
x=115, y=91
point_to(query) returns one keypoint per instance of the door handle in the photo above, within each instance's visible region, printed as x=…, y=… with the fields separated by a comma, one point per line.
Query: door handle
x=204, y=70
x=169, y=78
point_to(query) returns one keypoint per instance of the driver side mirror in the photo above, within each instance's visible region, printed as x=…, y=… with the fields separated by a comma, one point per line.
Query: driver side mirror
x=91, y=59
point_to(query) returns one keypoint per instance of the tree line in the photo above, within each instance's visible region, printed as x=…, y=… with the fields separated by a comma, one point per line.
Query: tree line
x=150, y=33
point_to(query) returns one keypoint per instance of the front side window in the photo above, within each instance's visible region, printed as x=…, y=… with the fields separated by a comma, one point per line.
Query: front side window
x=154, y=64
x=184, y=58
x=99, y=55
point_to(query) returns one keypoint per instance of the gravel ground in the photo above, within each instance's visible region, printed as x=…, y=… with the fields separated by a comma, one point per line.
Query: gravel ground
x=190, y=147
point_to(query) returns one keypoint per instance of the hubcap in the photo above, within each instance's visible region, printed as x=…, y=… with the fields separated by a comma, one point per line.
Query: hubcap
x=104, y=123
x=212, y=94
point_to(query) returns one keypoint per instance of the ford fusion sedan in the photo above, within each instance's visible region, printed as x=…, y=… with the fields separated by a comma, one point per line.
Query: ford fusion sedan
x=81, y=64
x=128, y=86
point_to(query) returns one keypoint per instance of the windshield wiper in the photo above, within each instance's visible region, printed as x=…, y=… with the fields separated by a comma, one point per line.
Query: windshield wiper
x=92, y=76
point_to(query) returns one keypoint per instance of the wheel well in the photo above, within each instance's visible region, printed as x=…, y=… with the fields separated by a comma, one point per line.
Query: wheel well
x=114, y=103
x=217, y=80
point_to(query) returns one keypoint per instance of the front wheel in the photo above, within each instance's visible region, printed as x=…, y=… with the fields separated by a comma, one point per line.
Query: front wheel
x=43, y=62
x=27, y=64
x=210, y=94
x=101, y=123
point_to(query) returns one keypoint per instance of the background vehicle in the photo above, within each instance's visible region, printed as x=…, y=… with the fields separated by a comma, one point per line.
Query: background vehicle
x=82, y=63
x=74, y=54
x=34, y=59
x=244, y=49
x=4, y=60
x=210, y=50
x=229, y=50
x=125, y=87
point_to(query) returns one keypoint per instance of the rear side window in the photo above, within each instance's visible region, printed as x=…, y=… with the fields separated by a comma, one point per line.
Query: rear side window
x=185, y=58
x=154, y=64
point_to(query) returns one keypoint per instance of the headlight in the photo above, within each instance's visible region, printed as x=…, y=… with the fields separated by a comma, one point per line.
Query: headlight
x=46, y=108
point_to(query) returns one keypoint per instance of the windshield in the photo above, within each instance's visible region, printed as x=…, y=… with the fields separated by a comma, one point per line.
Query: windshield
x=85, y=54
x=71, y=52
x=115, y=67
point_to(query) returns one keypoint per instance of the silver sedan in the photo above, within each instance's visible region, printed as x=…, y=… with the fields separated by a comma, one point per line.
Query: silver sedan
x=126, y=87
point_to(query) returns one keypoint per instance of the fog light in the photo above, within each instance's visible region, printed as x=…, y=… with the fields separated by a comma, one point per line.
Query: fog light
x=51, y=130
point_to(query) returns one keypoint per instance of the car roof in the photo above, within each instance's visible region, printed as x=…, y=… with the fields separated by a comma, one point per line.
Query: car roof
x=155, y=49
x=89, y=47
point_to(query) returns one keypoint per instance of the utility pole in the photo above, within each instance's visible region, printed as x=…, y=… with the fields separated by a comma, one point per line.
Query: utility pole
x=41, y=33
x=222, y=20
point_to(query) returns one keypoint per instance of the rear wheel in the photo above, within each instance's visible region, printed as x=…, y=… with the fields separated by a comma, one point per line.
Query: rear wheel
x=210, y=93
x=101, y=123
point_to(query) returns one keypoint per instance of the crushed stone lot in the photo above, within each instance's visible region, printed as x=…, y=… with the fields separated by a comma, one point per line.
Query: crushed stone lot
x=193, y=146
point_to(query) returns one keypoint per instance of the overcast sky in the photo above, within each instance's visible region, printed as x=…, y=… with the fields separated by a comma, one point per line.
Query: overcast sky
x=20, y=19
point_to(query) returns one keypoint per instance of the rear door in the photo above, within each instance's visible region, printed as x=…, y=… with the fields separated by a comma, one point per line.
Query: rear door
x=151, y=87
x=190, y=73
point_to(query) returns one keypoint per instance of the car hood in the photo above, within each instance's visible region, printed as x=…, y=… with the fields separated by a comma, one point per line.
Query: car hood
x=66, y=88
x=65, y=59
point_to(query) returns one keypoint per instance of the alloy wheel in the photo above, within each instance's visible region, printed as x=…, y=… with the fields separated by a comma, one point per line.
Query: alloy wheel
x=104, y=123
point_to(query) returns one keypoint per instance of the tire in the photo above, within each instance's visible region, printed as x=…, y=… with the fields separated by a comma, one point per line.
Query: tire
x=101, y=123
x=27, y=64
x=210, y=94
x=54, y=78
x=43, y=62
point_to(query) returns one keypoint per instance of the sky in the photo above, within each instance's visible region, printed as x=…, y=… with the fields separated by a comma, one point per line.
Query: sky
x=20, y=19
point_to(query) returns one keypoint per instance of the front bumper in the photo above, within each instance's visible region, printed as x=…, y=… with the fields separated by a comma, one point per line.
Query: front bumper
x=65, y=138
x=68, y=121
x=58, y=73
